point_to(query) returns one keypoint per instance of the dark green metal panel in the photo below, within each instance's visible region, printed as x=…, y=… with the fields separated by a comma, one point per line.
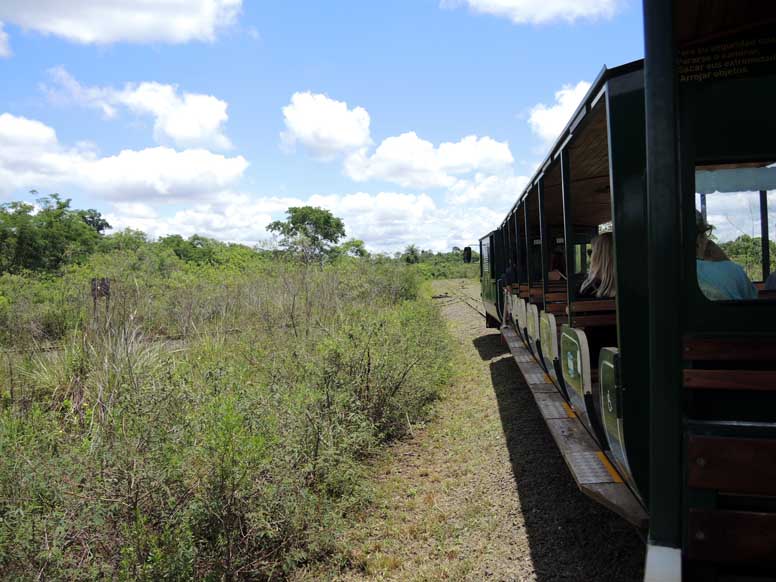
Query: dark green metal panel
x=664, y=270
x=487, y=280
x=627, y=167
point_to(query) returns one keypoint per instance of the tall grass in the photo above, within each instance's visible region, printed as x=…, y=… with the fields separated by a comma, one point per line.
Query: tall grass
x=208, y=423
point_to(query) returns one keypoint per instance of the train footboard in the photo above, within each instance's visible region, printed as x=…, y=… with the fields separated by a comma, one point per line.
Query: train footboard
x=592, y=471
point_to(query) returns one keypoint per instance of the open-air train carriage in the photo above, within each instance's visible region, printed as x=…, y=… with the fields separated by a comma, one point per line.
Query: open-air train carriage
x=671, y=382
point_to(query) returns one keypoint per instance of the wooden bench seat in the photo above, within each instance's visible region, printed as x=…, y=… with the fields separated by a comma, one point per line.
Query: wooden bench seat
x=767, y=294
x=556, y=308
x=594, y=305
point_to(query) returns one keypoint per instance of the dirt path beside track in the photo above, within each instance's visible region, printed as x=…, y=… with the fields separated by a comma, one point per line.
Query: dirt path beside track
x=481, y=493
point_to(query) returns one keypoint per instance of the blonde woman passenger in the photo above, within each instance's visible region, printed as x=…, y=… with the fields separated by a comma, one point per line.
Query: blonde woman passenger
x=600, y=281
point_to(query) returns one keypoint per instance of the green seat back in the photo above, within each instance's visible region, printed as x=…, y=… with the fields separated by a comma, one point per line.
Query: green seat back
x=548, y=333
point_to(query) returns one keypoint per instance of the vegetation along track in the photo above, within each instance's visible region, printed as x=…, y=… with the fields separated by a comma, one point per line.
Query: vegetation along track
x=480, y=492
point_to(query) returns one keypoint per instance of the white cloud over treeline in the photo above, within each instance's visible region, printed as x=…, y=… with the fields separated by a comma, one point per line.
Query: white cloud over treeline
x=31, y=156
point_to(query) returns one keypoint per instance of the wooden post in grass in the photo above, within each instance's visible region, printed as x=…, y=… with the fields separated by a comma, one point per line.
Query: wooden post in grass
x=100, y=289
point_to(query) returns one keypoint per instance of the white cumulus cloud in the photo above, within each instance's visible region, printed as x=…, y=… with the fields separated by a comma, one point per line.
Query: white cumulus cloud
x=540, y=11
x=389, y=221
x=110, y=21
x=547, y=121
x=324, y=126
x=230, y=216
x=411, y=161
x=185, y=119
x=331, y=130
x=495, y=191
x=32, y=157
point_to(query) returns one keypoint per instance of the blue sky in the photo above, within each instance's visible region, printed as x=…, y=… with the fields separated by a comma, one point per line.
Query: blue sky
x=417, y=121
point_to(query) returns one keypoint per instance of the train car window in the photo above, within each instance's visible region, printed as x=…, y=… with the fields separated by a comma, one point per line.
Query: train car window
x=492, y=258
x=580, y=258
x=485, y=259
x=733, y=249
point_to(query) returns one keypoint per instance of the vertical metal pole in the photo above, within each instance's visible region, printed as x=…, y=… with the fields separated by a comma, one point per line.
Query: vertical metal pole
x=568, y=231
x=544, y=236
x=527, y=240
x=766, y=245
x=664, y=262
x=516, y=236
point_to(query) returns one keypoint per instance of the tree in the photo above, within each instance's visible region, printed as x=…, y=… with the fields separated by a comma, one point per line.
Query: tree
x=45, y=237
x=95, y=220
x=310, y=231
x=747, y=252
x=411, y=254
x=196, y=249
x=127, y=239
x=353, y=248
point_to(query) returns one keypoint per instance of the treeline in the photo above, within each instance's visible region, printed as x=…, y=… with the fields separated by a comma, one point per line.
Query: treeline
x=747, y=251
x=46, y=236
x=49, y=235
x=439, y=265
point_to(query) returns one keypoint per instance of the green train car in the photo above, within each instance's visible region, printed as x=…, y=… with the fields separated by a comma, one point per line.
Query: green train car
x=669, y=379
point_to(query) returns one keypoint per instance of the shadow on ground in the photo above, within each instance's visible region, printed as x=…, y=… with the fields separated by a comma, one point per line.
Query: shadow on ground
x=570, y=536
x=490, y=348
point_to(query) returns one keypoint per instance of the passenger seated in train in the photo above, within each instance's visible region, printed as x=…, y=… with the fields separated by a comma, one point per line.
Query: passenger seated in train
x=770, y=282
x=510, y=275
x=557, y=265
x=600, y=281
x=719, y=278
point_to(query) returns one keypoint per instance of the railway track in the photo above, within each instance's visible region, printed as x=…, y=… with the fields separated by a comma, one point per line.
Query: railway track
x=451, y=295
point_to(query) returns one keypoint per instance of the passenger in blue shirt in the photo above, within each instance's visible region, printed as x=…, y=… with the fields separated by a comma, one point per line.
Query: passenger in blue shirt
x=770, y=282
x=719, y=280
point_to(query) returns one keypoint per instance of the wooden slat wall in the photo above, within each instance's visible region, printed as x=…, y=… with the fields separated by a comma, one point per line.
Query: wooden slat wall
x=732, y=536
x=730, y=379
x=727, y=349
x=732, y=464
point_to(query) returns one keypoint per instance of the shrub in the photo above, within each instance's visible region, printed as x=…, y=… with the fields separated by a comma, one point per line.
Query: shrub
x=211, y=422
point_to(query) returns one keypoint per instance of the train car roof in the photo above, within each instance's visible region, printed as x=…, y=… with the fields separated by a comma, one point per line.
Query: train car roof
x=588, y=101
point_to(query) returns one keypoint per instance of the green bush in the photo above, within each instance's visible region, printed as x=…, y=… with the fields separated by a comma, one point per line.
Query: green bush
x=212, y=421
